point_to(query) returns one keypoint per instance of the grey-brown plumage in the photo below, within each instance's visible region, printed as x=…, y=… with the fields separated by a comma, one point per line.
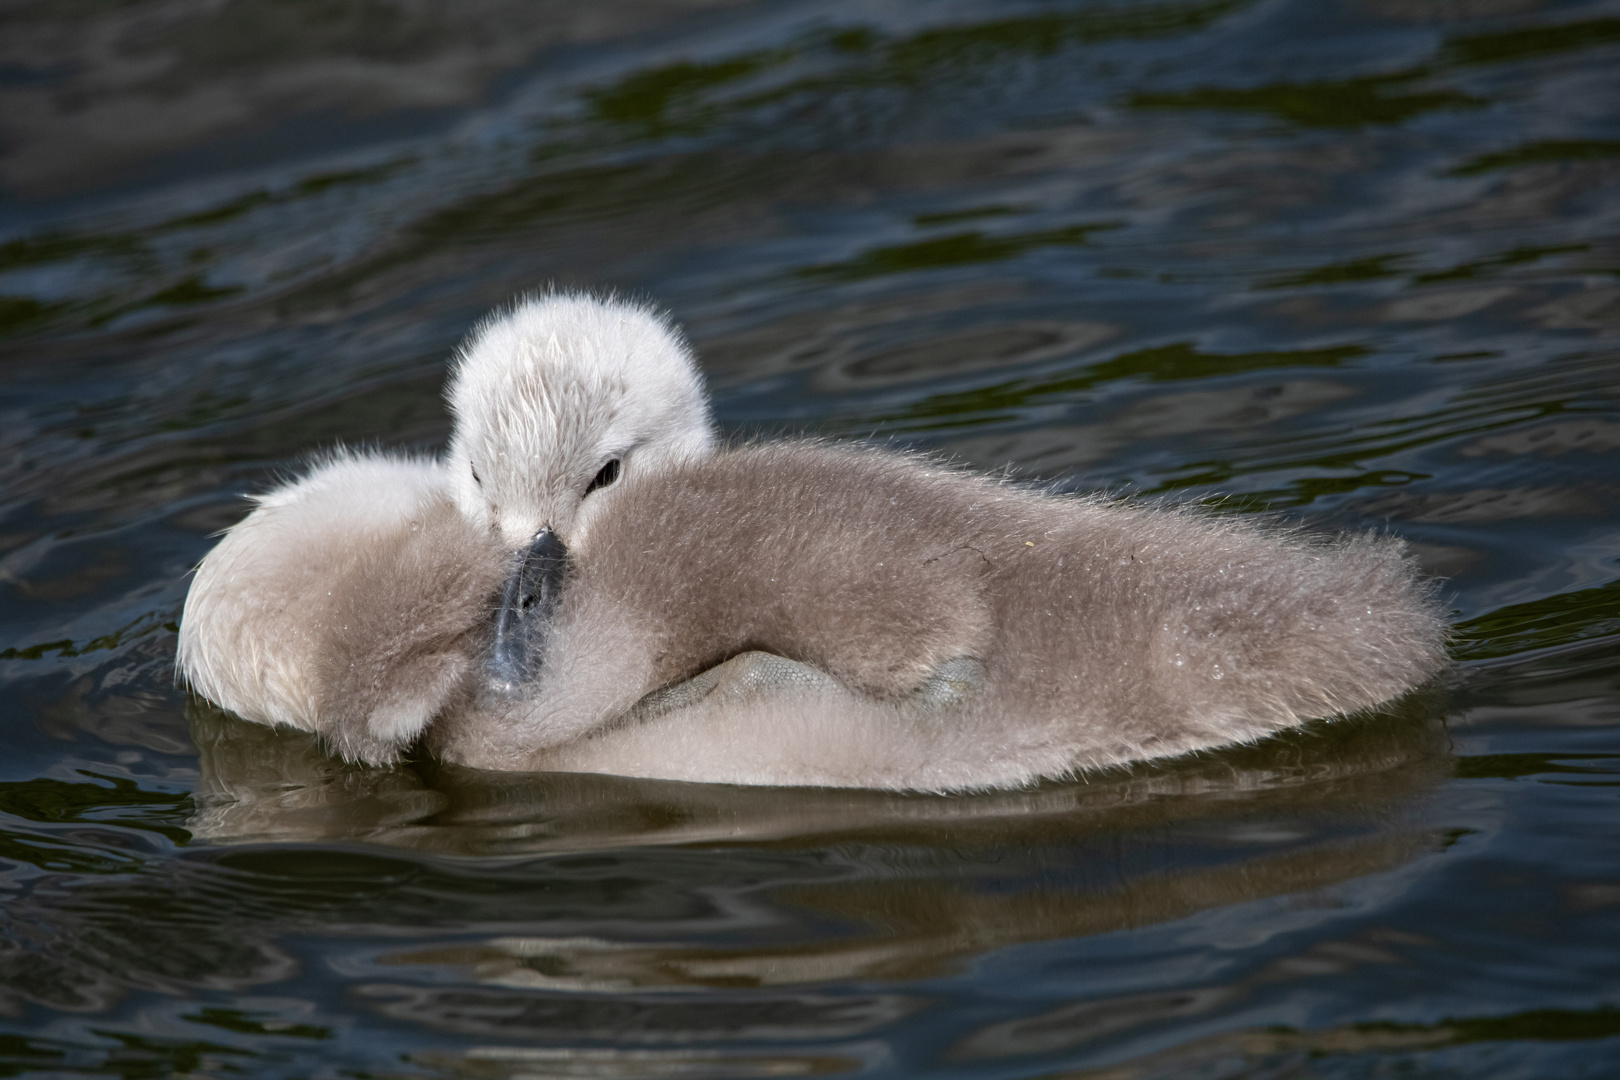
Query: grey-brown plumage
x=585, y=583
x=1083, y=632
x=351, y=603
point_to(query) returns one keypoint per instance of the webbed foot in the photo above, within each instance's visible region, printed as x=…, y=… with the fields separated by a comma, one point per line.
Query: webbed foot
x=757, y=674
x=746, y=675
x=951, y=684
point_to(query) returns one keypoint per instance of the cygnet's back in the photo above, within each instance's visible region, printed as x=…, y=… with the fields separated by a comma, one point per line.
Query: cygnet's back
x=1104, y=632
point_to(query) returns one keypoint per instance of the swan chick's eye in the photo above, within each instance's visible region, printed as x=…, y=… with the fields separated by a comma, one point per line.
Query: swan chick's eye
x=608, y=474
x=477, y=481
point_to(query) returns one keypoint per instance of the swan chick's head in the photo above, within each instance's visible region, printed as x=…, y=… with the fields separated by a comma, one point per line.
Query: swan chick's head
x=557, y=398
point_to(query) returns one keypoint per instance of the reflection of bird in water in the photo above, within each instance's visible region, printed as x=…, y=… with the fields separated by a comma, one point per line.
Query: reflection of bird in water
x=928, y=883
x=792, y=613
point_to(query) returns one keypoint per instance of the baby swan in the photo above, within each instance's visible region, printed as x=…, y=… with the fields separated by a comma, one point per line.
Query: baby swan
x=941, y=630
x=555, y=401
x=355, y=601
x=586, y=583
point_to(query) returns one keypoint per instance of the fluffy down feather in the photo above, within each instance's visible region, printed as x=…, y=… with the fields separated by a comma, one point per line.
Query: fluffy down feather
x=1100, y=632
x=789, y=613
x=350, y=602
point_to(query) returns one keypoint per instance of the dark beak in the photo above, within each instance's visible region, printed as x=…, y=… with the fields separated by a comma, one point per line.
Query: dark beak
x=527, y=601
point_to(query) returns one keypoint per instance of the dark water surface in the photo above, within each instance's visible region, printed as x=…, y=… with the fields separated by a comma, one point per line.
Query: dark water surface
x=1356, y=261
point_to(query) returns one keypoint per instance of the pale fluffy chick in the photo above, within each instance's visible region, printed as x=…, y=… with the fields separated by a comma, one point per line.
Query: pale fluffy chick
x=356, y=601
x=926, y=628
x=554, y=402
x=943, y=631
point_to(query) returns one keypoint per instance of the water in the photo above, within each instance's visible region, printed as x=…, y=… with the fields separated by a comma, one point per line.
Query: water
x=1354, y=262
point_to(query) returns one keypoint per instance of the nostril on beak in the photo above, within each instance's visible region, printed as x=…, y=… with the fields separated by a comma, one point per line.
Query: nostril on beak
x=528, y=598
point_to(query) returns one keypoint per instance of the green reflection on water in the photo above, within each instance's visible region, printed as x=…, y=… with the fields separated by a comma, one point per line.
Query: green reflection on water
x=140, y=627
x=245, y=1024
x=1296, y=493
x=588, y=191
x=1184, y=360
x=192, y=290
x=305, y=188
x=21, y=312
x=914, y=58
x=647, y=99
x=971, y=213
x=665, y=100
x=1282, y=1046
x=314, y=185
x=57, y=247
x=1380, y=1046
x=235, y=208
x=203, y=409
x=48, y=801
x=1545, y=152
x=1538, y=624
x=52, y=247
x=1371, y=99
x=648, y=103
x=1379, y=99
x=142, y=1057
x=1508, y=258
x=957, y=249
x=187, y=292
x=1376, y=266
x=59, y=802
x=19, y=1054
x=1531, y=41
x=1553, y=1025
x=1181, y=360
x=73, y=857
x=1513, y=766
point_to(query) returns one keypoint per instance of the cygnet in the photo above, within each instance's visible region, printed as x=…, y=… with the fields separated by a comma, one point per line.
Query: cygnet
x=802, y=613
x=585, y=583
x=360, y=599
